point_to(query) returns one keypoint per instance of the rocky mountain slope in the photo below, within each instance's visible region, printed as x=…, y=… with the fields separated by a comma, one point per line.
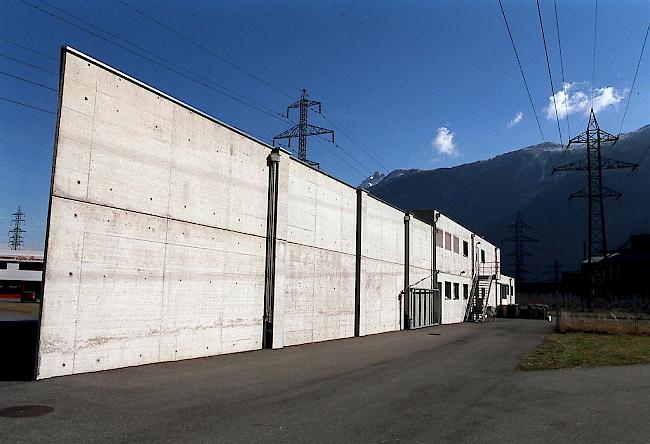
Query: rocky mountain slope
x=486, y=196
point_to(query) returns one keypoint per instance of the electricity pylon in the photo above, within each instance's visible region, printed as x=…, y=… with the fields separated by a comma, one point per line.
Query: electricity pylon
x=16, y=233
x=595, y=192
x=520, y=239
x=303, y=129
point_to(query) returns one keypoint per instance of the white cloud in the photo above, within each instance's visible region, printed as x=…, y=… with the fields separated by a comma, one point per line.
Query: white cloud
x=515, y=120
x=443, y=142
x=572, y=100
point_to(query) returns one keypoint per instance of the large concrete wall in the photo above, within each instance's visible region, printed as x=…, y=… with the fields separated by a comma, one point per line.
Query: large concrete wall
x=157, y=238
x=316, y=256
x=153, y=255
x=381, y=266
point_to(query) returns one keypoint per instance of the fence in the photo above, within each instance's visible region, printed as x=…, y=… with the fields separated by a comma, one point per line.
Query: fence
x=630, y=316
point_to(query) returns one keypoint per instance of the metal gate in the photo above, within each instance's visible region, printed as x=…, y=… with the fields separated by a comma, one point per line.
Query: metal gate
x=422, y=307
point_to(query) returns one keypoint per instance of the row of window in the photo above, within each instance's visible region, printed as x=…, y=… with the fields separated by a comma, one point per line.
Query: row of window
x=452, y=290
x=31, y=266
x=450, y=242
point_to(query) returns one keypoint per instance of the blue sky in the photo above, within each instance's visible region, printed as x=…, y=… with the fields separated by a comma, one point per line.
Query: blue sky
x=422, y=84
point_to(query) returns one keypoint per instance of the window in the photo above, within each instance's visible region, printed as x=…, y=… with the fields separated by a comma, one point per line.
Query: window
x=440, y=288
x=456, y=245
x=504, y=291
x=448, y=241
x=456, y=290
x=439, y=238
x=32, y=266
x=482, y=256
x=465, y=249
x=465, y=291
x=447, y=290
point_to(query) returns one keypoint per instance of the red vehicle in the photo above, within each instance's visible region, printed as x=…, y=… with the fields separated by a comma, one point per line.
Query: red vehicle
x=28, y=296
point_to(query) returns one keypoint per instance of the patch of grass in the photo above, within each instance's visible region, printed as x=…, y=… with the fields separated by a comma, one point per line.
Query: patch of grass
x=564, y=350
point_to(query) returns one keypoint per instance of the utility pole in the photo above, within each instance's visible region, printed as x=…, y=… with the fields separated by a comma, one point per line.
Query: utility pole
x=303, y=129
x=520, y=239
x=595, y=192
x=16, y=233
x=557, y=267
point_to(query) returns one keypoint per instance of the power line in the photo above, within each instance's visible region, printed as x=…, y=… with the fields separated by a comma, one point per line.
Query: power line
x=202, y=47
x=228, y=92
x=548, y=66
x=270, y=113
x=593, y=71
x=27, y=106
x=28, y=49
x=566, y=98
x=28, y=64
x=27, y=81
x=503, y=13
x=326, y=144
x=370, y=153
x=353, y=158
x=223, y=59
x=635, y=74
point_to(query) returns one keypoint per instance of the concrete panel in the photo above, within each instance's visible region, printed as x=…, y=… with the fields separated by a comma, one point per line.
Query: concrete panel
x=212, y=166
x=321, y=211
x=381, y=284
x=212, y=307
x=317, y=214
x=61, y=285
x=73, y=154
x=153, y=253
x=382, y=266
x=131, y=157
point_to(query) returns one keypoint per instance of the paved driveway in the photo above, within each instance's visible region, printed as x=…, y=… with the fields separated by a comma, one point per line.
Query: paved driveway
x=447, y=383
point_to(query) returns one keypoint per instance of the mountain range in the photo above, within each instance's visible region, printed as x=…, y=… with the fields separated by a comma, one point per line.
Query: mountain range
x=486, y=196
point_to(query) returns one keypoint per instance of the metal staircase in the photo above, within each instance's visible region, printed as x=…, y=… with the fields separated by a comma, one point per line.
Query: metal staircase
x=484, y=275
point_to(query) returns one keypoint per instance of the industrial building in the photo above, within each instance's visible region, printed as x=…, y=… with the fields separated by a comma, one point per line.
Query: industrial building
x=152, y=255
x=20, y=271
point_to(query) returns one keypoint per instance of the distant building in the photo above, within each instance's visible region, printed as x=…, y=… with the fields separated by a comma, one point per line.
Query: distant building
x=626, y=267
x=20, y=271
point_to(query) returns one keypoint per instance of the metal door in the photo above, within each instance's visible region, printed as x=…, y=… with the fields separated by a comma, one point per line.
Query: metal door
x=422, y=307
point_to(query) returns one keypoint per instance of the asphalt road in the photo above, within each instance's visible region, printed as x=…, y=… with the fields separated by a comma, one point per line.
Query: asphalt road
x=457, y=383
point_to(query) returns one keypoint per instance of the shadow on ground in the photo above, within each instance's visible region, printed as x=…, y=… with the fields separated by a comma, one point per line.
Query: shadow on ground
x=18, y=341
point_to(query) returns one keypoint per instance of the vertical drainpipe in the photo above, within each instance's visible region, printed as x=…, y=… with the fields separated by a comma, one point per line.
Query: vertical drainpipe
x=496, y=281
x=273, y=162
x=434, y=277
x=473, y=271
x=357, y=268
x=407, y=308
x=437, y=307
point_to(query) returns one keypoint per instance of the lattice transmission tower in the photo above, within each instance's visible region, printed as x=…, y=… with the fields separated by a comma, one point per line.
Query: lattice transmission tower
x=595, y=192
x=520, y=240
x=303, y=129
x=16, y=232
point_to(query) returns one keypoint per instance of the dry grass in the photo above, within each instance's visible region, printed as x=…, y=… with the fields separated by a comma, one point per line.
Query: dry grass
x=564, y=350
x=19, y=307
x=604, y=322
